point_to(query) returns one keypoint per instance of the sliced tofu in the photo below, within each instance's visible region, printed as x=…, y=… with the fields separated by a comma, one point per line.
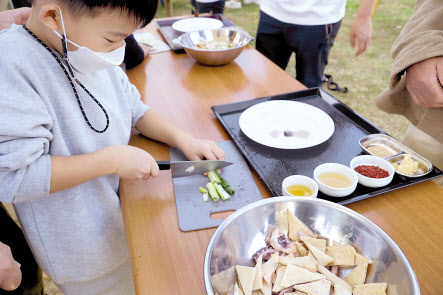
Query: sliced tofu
x=321, y=257
x=223, y=281
x=267, y=288
x=370, y=289
x=258, y=278
x=295, y=293
x=292, y=250
x=257, y=292
x=304, y=262
x=333, y=278
x=246, y=277
x=296, y=226
x=277, y=285
x=269, y=267
x=297, y=275
x=357, y=275
x=320, y=244
x=339, y=290
x=237, y=290
x=321, y=287
x=282, y=222
x=343, y=255
x=301, y=250
x=360, y=258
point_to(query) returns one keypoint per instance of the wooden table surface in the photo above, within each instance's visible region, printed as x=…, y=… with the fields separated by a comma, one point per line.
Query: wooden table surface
x=168, y=261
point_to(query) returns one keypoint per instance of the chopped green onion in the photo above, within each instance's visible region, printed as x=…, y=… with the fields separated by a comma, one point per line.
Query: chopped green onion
x=221, y=192
x=212, y=192
x=202, y=190
x=206, y=196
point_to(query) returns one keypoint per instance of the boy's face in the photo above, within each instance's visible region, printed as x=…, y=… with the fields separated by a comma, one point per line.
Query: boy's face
x=102, y=32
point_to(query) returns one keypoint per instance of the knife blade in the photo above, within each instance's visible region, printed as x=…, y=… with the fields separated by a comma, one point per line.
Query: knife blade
x=188, y=168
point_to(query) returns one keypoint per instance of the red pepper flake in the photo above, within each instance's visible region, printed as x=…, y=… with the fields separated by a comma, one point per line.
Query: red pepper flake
x=371, y=171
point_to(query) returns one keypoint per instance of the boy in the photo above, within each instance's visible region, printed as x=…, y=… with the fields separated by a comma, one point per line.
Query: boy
x=66, y=115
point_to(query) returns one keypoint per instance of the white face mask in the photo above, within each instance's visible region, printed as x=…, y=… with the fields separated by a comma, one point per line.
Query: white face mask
x=85, y=60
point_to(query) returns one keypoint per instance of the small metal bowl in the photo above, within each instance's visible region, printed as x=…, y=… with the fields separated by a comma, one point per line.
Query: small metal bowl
x=384, y=141
x=243, y=233
x=234, y=36
x=424, y=166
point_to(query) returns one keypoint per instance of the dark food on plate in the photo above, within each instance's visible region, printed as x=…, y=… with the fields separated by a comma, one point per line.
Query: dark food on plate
x=371, y=171
x=297, y=261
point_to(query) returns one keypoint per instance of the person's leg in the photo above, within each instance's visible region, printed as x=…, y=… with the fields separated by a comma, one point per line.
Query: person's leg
x=218, y=7
x=309, y=43
x=270, y=41
x=203, y=7
x=332, y=31
x=11, y=235
x=425, y=145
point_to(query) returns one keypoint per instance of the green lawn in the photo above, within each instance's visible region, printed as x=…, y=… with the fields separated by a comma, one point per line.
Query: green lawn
x=365, y=76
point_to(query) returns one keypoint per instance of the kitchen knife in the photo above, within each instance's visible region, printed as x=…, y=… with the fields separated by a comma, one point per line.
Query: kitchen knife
x=187, y=168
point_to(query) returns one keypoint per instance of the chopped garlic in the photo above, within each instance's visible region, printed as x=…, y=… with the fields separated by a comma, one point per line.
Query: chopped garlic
x=407, y=166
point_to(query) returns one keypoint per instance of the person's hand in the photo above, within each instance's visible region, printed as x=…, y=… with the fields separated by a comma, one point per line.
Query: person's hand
x=424, y=81
x=198, y=149
x=17, y=16
x=131, y=163
x=10, y=273
x=146, y=48
x=361, y=30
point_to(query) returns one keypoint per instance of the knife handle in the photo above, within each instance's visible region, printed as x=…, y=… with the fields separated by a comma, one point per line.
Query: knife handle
x=164, y=165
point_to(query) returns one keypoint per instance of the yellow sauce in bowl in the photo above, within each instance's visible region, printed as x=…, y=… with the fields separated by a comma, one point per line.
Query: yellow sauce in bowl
x=334, y=179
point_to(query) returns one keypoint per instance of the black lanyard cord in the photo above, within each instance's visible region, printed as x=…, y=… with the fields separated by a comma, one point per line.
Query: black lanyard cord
x=72, y=83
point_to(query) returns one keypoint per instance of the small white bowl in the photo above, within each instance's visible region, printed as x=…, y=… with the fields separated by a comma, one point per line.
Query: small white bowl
x=301, y=180
x=373, y=161
x=337, y=168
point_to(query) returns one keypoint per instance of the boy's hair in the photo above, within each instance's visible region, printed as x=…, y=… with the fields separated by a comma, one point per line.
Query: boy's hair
x=143, y=11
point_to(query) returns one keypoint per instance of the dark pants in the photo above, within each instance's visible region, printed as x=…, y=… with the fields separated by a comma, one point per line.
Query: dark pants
x=215, y=7
x=11, y=235
x=311, y=44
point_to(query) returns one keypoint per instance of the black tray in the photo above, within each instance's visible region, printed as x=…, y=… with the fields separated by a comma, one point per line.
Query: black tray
x=274, y=165
x=165, y=28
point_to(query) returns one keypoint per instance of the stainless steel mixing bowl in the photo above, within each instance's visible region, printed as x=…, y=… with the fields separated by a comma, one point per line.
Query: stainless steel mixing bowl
x=243, y=233
x=233, y=36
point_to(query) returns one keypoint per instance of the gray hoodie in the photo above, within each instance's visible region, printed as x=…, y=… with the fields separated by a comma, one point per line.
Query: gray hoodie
x=76, y=235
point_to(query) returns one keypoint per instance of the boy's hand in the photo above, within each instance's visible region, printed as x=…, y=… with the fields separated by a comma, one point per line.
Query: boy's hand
x=198, y=149
x=131, y=163
x=10, y=273
x=17, y=16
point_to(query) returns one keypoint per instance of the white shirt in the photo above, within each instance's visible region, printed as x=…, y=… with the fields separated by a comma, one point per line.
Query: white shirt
x=305, y=12
x=207, y=1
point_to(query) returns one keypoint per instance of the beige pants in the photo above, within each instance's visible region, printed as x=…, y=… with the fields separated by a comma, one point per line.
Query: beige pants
x=426, y=146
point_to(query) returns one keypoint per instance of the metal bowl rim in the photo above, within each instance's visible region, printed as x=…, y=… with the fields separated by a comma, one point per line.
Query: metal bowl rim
x=218, y=50
x=370, y=224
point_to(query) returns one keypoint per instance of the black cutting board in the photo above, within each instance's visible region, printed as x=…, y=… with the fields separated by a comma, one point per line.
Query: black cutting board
x=273, y=165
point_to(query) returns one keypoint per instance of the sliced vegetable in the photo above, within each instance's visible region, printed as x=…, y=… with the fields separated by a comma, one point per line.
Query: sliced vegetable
x=225, y=184
x=206, y=196
x=213, y=177
x=221, y=192
x=202, y=190
x=213, y=192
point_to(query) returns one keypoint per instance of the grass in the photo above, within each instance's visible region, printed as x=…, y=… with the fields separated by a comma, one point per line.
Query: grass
x=365, y=76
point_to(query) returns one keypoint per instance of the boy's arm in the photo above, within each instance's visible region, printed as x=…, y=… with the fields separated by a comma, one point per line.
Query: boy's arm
x=155, y=126
x=124, y=161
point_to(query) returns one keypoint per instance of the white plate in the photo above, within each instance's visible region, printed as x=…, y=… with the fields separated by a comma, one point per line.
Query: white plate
x=267, y=122
x=197, y=23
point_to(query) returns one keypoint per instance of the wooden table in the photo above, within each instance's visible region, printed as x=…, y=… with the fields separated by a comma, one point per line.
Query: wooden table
x=168, y=261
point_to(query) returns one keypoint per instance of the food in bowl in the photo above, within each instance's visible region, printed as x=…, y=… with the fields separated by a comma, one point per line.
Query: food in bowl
x=380, y=151
x=213, y=45
x=335, y=180
x=407, y=167
x=371, y=171
x=299, y=190
x=297, y=260
x=300, y=186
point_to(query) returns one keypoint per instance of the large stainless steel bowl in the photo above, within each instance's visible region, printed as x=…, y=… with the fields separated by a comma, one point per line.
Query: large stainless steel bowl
x=234, y=36
x=243, y=233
